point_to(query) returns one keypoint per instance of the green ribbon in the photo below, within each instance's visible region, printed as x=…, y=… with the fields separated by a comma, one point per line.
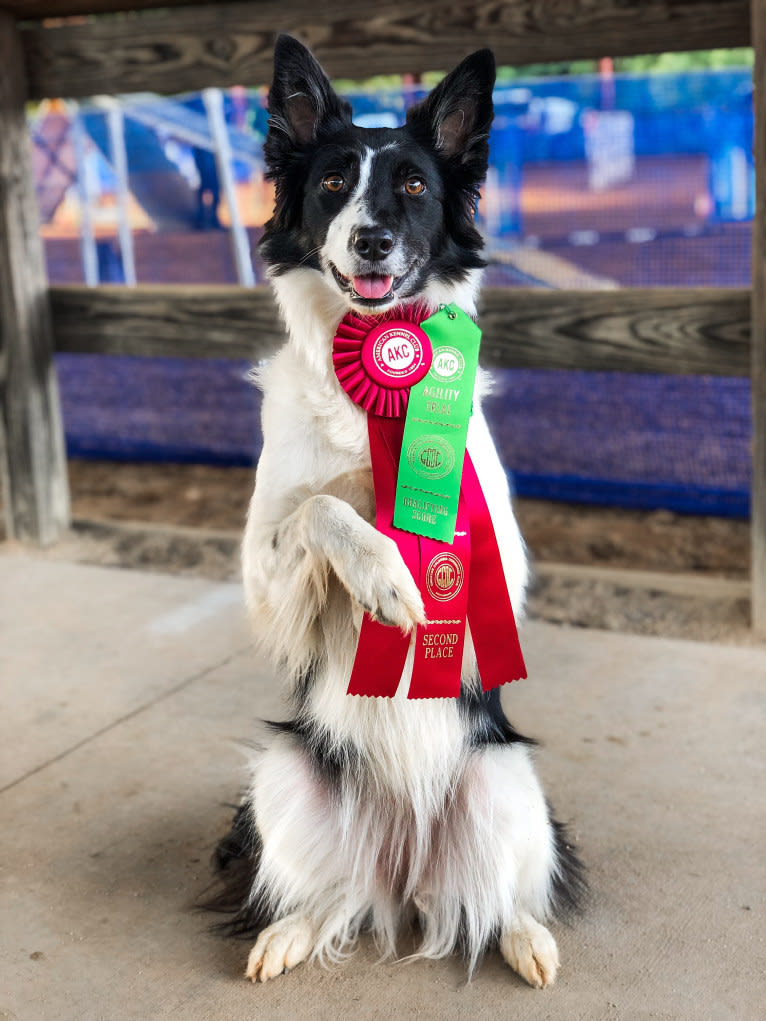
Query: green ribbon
x=436, y=428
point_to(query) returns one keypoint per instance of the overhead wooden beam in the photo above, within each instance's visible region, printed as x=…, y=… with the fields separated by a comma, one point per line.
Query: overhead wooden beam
x=27, y=10
x=758, y=498
x=37, y=9
x=689, y=331
x=32, y=463
x=189, y=48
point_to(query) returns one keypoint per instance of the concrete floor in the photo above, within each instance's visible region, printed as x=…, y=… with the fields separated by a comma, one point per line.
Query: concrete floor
x=124, y=695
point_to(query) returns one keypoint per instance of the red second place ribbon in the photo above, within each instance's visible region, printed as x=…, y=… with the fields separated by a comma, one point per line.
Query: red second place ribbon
x=376, y=361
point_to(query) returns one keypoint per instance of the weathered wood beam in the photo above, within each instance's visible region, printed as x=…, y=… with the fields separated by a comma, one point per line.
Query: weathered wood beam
x=689, y=331
x=174, y=321
x=30, y=9
x=682, y=331
x=758, y=499
x=37, y=9
x=189, y=48
x=32, y=462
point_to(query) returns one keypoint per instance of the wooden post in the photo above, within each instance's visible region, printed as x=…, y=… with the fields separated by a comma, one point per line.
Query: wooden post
x=32, y=459
x=758, y=329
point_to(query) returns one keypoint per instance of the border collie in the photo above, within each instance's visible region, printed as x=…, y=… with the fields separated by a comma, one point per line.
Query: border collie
x=374, y=813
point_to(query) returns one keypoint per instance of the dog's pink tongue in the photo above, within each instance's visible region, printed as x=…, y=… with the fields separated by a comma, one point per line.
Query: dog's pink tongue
x=372, y=287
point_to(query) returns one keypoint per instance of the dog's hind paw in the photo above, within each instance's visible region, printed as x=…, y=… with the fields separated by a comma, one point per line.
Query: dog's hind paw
x=531, y=951
x=280, y=947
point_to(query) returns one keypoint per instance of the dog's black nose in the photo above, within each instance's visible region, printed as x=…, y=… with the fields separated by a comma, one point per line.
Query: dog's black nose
x=373, y=243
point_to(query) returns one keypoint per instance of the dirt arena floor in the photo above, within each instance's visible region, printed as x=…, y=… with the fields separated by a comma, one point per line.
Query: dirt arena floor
x=643, y=572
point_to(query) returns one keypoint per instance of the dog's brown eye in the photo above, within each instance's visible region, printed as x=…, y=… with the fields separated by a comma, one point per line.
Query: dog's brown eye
x=414, y=185
x=333, y=183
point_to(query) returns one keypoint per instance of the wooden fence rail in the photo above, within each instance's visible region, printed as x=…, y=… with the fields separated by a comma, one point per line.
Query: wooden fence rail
x=664, y=330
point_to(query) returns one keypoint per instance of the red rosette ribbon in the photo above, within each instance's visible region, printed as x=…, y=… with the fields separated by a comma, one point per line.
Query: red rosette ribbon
x=377, y=359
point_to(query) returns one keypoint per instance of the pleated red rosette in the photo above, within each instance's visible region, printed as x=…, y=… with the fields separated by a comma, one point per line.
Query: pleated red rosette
x=377, y=359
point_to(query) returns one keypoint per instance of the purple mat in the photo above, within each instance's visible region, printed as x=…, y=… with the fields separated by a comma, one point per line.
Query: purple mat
x=634, y=440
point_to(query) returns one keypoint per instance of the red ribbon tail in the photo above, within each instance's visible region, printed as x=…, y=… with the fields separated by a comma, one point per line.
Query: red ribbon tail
x=444, y=578
x=380, y=658
x=490, y=614
x=481, y=595
x=382, y=650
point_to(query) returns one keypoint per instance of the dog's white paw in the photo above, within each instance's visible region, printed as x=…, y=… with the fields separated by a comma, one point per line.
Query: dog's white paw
x=531, y=951
x=280, y=947
x=380, y=581
x=367, y=563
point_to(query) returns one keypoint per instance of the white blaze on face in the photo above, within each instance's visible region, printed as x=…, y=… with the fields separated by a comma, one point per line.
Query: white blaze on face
x=338, y=247
x=355, y=214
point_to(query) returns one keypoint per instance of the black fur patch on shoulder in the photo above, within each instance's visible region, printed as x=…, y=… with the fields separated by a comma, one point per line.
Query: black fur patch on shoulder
x=570, y=885
x=486, y=721
x=236, y=860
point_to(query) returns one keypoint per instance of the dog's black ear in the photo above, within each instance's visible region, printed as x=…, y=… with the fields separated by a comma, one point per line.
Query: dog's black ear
x=457, y=115
x=301, y=101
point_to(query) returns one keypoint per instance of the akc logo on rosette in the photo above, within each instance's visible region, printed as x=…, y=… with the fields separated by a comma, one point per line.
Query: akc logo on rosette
x=444, y=577
x=377, y=362
x=396, y=354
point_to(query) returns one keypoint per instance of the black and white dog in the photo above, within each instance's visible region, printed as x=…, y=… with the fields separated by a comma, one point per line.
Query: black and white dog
x=371, y=813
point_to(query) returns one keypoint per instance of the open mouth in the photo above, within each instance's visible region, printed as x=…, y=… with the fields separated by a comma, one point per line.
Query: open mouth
x=370, y=289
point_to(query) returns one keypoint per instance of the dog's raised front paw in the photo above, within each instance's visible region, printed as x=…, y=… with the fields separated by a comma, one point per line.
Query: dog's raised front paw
x=367, y=562
x=280, y=947
x=531, y=951
x=380, y=581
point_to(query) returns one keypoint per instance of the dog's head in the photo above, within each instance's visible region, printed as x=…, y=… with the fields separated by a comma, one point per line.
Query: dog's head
x=384, y=215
